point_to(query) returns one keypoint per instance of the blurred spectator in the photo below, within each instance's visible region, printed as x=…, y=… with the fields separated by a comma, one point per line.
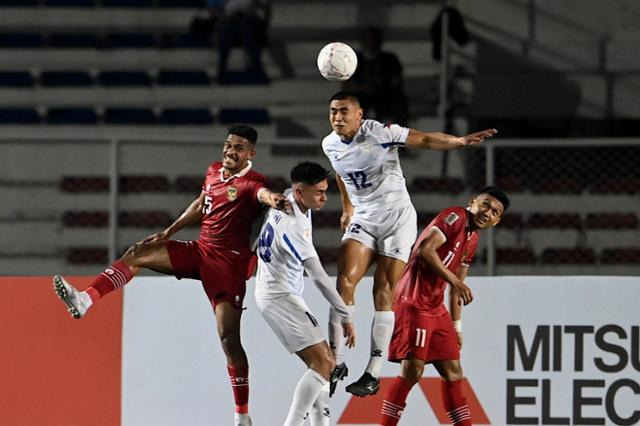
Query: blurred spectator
x=204, y=22
x=457, y=30
x=378, y=80
x=245, y=22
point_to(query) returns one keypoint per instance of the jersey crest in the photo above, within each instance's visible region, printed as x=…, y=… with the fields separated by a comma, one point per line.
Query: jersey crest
x=232, y=193
x=451, y=218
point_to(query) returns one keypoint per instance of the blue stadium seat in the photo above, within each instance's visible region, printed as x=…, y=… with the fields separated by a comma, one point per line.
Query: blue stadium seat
x=21, y=40
x=130, y=40
x=19, y=116
x=124, y=78
x=16, y=79
x=182, y=3
x=20, y=3
x=127, y=3
x=70, y=3
x=129, y=116
x=183, y=78
x=243, y=77
x=77, y=115
x=185, y=41
x=75, y=40
x=248, y=115
x=186, y=116
x=66, y=78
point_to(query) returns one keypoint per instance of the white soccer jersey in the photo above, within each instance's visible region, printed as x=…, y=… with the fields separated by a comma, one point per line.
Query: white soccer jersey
x=285, y=242
x=370, y=167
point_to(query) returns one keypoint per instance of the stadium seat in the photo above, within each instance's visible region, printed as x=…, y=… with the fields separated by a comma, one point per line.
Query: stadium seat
x=129, y=116
x=70, y=3
x=19, y=116
x=66, y=78
x=515, y=256
x=130, y=40
x=512, y=221
x=78, y=115
x=554, y=220
x=558, y=185
x=620, y=185
x=181, y=3
x=87, y=255
x=22, y=40
x=183, y=78
x=124, y=78
x=144, y=219
x=248, y=115
x=188, y=184
x=127, y=3
x=186, y=116
x=86, y=219
x=185, y=41
x=326, y=219
x=16, y=79
x=437, y=184
x=84, y=184
x=20, y=3
x=243, y=78
x=510, y=183
x=620, y=255
x=611, y=221
x=75, y=40
x=576, y=256
x=144, y=183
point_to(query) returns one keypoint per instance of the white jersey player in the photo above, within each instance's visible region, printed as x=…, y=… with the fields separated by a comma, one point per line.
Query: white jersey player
x=378, y=219
x=285, y=252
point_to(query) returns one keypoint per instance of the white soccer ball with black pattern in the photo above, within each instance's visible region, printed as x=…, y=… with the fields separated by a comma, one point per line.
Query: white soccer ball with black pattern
x=337, y=61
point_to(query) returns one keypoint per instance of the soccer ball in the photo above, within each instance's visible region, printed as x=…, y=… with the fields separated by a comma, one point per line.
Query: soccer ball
x=337, y=61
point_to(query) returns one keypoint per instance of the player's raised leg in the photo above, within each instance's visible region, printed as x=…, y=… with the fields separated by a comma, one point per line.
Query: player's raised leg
x=153, y=255
x=387, y=274
x=313, y=387
x=354, y=261
x=451, y=387
x=228, y=322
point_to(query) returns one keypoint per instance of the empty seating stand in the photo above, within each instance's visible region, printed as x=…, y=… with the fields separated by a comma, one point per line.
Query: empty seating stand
x=87, y=255
x=16, y=79
x=66, y=78
x=555, y=220
x=115, y=115
x=244, y=115
x=574, y=256
x=437, y=184
x=79, y=115
x=124, y=78
x=623, y=255
x=515, y=256
x=19, y=116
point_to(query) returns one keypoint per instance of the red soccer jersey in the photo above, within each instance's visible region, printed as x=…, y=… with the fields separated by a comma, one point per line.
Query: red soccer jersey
x=231, y=205
x=421, y=286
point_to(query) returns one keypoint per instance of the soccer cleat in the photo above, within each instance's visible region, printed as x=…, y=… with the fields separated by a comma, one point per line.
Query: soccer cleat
x=339, y=373
x=77, y=302
x=364, y=386
x=242, y=420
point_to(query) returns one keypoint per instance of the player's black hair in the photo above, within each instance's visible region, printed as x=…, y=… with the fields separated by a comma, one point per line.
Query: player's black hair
x=309, y=173
x=342, y=95
x=244, y=131
x=498, y=194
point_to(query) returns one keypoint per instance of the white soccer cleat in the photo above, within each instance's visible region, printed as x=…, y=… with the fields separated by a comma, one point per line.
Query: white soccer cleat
x=242, y=420
x=77, y=302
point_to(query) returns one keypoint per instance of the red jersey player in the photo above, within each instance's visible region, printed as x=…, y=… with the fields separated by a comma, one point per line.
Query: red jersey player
x=424, y=331
x=221, y=257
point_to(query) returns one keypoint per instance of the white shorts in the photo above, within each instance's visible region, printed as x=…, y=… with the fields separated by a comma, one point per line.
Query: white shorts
x=391, y=233
x=292, y=321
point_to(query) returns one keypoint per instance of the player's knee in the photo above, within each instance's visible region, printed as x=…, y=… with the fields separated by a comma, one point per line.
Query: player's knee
x=230, y=342
x=134, y=253
x=453, y=374
x=324, y=365
x=412, y=376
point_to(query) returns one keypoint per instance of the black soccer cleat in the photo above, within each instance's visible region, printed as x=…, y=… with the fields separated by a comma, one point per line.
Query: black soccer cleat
x=339, y=373
x=364, y=386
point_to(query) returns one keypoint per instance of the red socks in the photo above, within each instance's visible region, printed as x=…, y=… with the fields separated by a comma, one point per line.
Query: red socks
x=455, y=403
x=112, y=278
x=239, y=377
x=394, y=402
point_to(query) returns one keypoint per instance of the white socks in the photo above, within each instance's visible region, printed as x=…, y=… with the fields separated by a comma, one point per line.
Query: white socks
x=320, y=414
x=310, y=385
x=336, y=338
x=381, y=331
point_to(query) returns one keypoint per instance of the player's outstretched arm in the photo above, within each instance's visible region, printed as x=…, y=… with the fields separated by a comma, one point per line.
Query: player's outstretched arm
x=444, y=142
x=328, y=289
x=274, y=200
x=429, y=256
x=347, y=207
x=192, y=214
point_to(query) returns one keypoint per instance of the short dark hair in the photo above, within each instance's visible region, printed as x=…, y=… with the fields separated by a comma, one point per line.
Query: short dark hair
x=345, y=95
x=244, y=131
x=498, y=194
x=309, y=173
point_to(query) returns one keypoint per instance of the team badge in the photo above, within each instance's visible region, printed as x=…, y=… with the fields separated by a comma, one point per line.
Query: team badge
x=232, y=193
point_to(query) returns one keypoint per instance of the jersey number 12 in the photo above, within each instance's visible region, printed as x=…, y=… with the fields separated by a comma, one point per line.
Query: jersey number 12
x=359, y=180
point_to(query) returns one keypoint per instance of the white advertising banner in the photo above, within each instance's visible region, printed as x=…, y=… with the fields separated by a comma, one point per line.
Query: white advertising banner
x=537, y=351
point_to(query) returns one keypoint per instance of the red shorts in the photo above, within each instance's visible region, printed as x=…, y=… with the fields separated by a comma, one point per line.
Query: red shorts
x=223, y=272
x=422, y=335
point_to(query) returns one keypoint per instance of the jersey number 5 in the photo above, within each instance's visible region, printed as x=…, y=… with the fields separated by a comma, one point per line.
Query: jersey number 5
x=359, y=180
x=264, y=243
x=208, y=204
